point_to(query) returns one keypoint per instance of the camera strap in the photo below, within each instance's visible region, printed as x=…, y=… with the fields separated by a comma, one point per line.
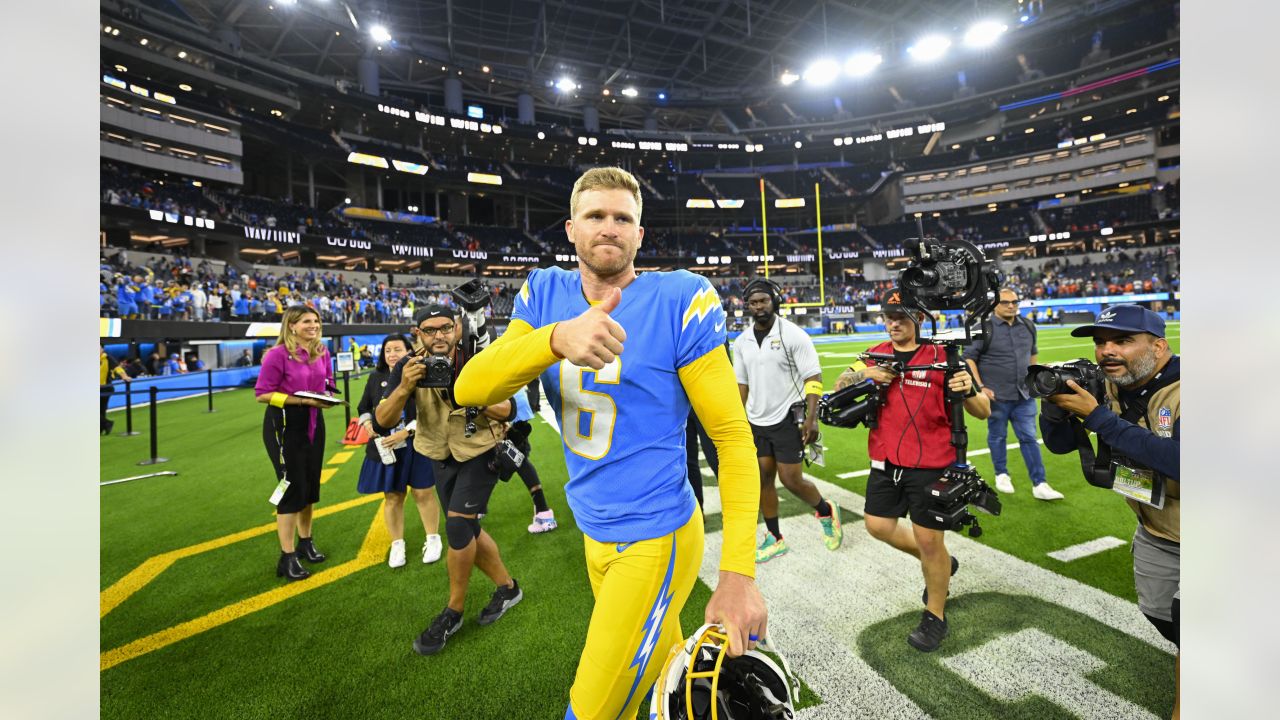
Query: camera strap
x=1099, y=470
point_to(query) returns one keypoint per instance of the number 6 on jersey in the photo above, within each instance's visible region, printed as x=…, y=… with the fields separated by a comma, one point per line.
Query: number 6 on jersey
x=601, y=412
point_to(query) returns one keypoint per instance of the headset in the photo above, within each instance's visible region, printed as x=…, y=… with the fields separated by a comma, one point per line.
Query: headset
x=767, y=286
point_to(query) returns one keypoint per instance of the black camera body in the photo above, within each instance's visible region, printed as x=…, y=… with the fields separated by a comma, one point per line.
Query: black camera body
x=950, y=498
x=1046, y=380
x=950, y=275
x=507, y=458
x=439, y=372
x=858, y=404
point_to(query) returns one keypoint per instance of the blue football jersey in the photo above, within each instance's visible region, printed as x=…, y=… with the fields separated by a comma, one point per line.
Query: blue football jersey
x=623, y=426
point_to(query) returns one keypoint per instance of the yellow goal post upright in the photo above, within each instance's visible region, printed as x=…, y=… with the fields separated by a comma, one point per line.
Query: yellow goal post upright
x=764, y=232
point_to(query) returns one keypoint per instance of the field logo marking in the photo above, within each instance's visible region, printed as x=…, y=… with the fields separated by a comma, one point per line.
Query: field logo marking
x=371, y=553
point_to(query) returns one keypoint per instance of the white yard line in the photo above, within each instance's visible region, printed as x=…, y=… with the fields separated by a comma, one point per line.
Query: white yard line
x=1085, y=549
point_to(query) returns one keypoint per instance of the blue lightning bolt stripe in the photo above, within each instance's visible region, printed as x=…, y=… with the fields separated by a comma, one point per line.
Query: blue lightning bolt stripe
x=652, y=627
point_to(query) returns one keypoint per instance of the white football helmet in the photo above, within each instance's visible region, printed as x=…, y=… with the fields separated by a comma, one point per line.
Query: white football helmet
x=699, y=681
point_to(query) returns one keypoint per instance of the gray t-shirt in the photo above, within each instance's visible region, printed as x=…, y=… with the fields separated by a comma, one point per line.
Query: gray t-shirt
x=1003, y=366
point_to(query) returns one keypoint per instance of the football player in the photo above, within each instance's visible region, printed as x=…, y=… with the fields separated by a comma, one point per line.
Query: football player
x=622, y=419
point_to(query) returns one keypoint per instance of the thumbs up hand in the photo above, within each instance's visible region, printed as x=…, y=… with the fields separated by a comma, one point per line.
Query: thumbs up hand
x=593, y=339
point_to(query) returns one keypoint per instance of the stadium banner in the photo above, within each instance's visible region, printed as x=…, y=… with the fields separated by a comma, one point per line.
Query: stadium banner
x=296, y=238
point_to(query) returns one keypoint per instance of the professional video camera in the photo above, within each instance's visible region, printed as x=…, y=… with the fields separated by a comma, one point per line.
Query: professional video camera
x=1051, y=379
x=859, y=403
x=950, y=275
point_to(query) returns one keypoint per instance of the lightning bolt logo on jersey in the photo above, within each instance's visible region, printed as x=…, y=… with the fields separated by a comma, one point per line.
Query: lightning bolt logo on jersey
x=623, y=425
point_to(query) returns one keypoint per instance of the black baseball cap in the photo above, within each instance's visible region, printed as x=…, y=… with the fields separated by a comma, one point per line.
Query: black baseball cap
x=891, y=302
x=1124, y=318
x=430, y=311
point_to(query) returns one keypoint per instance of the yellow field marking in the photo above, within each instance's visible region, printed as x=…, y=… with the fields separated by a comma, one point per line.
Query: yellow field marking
x=372, y=550
x=327, y=474
x=138, y=577
x=341, y=457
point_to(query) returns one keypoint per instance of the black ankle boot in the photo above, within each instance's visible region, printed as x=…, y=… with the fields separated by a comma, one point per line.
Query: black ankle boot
x=307, y=551
x=290, y=568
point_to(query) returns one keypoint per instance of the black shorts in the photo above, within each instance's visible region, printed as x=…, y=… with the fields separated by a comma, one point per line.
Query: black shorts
x=465, y=487
x=782, y=442
x=909, y=495
x=284, y=433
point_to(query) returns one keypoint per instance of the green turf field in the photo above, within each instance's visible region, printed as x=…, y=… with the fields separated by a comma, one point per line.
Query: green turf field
x=196, y=625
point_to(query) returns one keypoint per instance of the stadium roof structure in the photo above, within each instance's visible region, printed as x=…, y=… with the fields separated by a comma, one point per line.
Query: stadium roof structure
x=683, y=58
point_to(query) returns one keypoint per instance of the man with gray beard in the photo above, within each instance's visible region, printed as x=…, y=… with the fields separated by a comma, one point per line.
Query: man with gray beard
x=1137, y=425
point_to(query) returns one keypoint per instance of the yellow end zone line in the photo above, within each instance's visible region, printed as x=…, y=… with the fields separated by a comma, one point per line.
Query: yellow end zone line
x=138, y=577
x=376, y=541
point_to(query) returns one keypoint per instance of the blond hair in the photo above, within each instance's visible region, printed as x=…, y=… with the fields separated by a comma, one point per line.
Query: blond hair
x=606, y=178
x=290, y=341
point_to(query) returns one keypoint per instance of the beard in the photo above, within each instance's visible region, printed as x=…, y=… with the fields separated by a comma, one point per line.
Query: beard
x=604, y=267
x=1139, y=369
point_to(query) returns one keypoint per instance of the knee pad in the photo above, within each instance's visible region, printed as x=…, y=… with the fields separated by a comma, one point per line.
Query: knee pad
x=460, y=531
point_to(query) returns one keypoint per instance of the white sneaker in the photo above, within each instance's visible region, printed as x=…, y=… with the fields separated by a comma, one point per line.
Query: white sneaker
x=396, y=559
x=1005, y=484
x=1044, y=492
x=431, y=549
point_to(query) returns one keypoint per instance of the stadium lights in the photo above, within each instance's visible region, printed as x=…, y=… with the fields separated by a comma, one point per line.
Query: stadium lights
x=799, y=144
x=542, y=135
x=662, y=96
x=380, y=34
x=184, y=87
x=929, y=47
x=788, y=78
x=630, y=92
x=862, y=64
x=838, y=141
x=984, y=34
x=821, y=72
x=566, y=84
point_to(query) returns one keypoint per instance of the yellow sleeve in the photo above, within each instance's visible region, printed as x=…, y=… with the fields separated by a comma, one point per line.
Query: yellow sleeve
x=506, y=366
x=710, y=384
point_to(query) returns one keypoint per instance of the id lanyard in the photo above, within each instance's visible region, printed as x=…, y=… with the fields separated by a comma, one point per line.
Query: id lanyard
x=1140, y=484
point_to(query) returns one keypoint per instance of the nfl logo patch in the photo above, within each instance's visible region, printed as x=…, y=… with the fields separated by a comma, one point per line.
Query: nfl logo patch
x=1166, y=418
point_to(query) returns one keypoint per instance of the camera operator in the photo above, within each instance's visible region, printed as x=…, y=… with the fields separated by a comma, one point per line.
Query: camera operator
x=1138, y=423
x=910, y=448
x=461, y=442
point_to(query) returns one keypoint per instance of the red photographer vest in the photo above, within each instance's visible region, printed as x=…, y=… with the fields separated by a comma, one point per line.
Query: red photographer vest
x=914, y=429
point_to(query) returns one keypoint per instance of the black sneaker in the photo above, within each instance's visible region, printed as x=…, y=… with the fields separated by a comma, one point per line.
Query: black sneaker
x=955, y=565
x=432, y=640
x=504, y=598
x=928, y=636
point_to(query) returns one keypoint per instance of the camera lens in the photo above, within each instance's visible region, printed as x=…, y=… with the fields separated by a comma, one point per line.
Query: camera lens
x=1044, y=382
x=917, y=277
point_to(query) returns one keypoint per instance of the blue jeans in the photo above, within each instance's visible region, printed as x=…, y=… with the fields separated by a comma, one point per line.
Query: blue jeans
x=1023, y=415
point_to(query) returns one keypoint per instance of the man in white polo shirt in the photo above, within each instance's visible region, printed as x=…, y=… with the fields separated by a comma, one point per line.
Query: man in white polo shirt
x=777, y=368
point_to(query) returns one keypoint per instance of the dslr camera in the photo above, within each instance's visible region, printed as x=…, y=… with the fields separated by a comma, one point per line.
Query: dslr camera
x=439, y=372
x=1046, y=380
